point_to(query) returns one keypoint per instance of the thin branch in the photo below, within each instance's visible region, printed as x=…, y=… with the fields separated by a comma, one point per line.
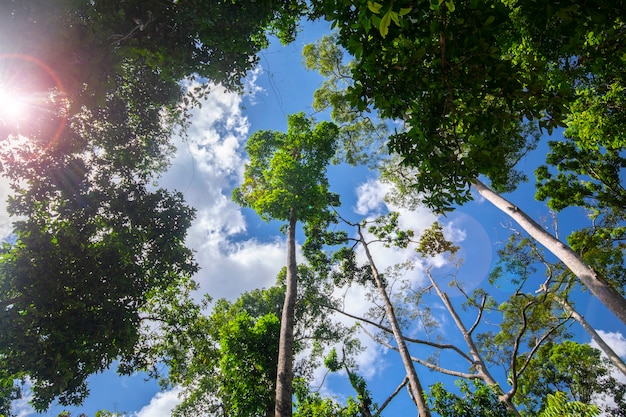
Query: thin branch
x=408, y=339
x=427, y=364
x=392, y=396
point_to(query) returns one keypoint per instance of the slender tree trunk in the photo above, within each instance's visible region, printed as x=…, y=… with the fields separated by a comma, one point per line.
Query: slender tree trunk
x=597, y=285
x=284, y=378
x=614, y=357
x=479, y=363
x=414, y=382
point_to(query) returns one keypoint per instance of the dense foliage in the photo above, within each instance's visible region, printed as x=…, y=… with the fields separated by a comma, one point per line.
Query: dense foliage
x=94, y=243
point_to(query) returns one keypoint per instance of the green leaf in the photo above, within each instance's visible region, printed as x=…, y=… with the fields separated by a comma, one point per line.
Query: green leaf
x=374, y=7
x=450, y=5
x=384, y=24
x=405, y=10
x=394, y=17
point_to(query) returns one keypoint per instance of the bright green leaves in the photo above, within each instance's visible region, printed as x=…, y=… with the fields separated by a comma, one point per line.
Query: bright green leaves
x=390, y=15
x=374, y=7
x=567, y=377
x=557, y=405
x=482, y=400
x=287, y=171
x=436, y=5
x=248, y=348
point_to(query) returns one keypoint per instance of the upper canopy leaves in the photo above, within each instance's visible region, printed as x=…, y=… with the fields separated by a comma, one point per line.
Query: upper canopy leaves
x=287, y=171
x=467, y=76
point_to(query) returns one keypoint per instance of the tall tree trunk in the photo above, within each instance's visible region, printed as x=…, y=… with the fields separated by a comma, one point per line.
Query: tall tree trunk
x=414, y=382
x=479, y=363
x=284, y=378
x=610, y=353
x=596, y=284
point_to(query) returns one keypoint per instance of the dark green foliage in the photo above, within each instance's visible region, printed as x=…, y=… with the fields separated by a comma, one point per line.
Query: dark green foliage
x=473, y=81
x=73, y=295
x=85, y=42
x=94, y=244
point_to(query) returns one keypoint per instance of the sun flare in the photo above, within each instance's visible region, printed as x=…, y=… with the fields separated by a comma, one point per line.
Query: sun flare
x=12, y=106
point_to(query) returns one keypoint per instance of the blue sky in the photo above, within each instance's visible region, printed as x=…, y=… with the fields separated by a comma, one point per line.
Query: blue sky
x=238, y=252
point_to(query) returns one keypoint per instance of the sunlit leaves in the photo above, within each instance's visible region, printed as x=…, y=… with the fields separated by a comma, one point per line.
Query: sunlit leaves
x=574, y=374
x=433, y=242
x=476, y=400
x=287, y=170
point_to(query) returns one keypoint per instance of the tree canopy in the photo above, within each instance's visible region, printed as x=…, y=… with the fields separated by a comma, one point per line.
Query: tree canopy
x=94, y=243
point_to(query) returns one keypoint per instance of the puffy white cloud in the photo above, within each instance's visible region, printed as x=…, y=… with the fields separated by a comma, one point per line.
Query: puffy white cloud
x=371, y=196
x=161, y=404
x=208, y=164
x=615, y=340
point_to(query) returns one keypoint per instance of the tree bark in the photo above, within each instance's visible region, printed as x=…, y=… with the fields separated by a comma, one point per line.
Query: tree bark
x=414, y=382
x=610, y=353
x=284, y=377
x=596, y=284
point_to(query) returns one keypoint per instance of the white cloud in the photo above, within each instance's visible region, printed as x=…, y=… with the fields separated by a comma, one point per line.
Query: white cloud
x=206, y=167
x=371, y=197
x=615, y=340
x=21, y=407
x=161, y=404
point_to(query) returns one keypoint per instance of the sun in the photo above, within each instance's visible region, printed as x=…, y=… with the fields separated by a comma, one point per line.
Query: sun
x=12, y=106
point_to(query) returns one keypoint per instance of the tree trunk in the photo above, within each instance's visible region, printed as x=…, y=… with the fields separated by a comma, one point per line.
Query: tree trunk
x=614, y=357
x=284, y=378
x=597, y=285
x=479, y=363
x=414, y=382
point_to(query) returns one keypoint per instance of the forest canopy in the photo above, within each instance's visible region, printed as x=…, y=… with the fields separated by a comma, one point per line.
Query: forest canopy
x=443, y=101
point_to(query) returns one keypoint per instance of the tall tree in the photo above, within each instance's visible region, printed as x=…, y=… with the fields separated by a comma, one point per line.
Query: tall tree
x=385, y=231
x=286, y=180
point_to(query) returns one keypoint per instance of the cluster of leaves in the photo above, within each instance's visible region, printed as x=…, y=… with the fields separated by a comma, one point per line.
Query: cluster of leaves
x=287, y=171
x=472, y=80
x=573, y=370
x=482, y=400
